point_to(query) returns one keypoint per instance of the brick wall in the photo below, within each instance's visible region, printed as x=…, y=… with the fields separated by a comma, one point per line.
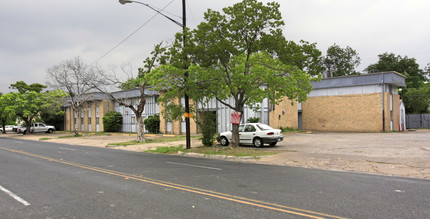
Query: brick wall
x=284, y=115
x=354, y=113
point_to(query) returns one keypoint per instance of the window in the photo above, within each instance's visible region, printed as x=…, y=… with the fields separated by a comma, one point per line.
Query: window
x=249, y=128
x=133, y=120
x=264, y=127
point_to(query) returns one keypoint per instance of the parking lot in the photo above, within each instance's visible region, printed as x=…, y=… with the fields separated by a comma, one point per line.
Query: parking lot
x=396, y=153
x=405, y=154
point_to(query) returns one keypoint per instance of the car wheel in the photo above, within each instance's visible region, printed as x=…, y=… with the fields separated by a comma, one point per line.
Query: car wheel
x=50, y=131
x=273, y=144
x=224, y=141
x=258, y=142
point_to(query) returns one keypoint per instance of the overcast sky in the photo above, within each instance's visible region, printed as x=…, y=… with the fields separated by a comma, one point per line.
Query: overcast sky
x=36, y=35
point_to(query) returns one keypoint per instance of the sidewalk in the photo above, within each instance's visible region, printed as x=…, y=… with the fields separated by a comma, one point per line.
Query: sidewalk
x=395, y=154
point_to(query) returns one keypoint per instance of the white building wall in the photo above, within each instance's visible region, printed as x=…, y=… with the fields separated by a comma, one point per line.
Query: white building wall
x=337, y=91
x=224, y=112
x=129, y=121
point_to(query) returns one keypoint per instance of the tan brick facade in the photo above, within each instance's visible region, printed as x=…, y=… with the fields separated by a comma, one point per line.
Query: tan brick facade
x=352, y=113
x=104, y=107
x=176, y=125
x=284, y=115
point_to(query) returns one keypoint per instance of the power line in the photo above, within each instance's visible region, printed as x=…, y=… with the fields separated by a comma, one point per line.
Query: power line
x=128, y=37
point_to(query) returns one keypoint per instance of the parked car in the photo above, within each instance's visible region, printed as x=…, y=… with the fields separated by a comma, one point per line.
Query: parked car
x=256, y=134
x=19, y=128
x=8, y=128
x=37, y=127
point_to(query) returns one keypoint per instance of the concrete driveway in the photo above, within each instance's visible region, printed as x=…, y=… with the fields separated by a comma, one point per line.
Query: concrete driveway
x=396, y=153
x=405, y=154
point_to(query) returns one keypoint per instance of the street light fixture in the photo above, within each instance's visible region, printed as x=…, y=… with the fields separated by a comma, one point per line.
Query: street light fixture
x=123, y=2
x=183, y=25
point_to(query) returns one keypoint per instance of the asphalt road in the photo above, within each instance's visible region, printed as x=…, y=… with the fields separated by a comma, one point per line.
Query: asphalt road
x=48, y=180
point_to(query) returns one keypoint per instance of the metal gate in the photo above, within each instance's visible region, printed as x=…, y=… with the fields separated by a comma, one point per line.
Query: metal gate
x=418, y=121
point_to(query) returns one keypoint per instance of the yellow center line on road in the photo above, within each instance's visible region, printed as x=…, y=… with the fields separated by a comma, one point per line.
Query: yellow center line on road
x=237, y=199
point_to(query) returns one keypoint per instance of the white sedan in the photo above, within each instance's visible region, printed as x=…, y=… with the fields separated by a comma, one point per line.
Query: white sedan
x=8, y=128
x=256, y=134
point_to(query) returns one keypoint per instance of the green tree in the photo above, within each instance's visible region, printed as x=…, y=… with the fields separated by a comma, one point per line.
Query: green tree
x=303, y=55
x=112, y=121
x=7, y=109
x=228, y=59
x=52, y=111
x=415, y=78
x=417, y=100
x=340, y=61
x=23, y=87
x=28, y=101
x=427, y=71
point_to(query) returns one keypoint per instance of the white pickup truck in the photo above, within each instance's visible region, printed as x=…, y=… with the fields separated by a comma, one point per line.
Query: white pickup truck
x=37, y=127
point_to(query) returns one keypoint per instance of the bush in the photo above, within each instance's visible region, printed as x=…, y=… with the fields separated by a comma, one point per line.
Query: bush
x=112, y=121
x=288, y=129
x=207, y=124
x=253, y=120
x=152, y=124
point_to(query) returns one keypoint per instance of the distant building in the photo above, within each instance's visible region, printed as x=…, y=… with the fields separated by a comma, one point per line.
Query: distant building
x=363, y=103
x=359, y=103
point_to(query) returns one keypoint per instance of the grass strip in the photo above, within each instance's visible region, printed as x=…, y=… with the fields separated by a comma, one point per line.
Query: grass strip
x=215, y=150
x=152, y=140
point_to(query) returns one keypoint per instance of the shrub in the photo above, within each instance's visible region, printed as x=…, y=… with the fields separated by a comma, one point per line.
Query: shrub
x=288, y=129
x=253, y=120
x=112, y=121
x=152, y=124
x=207, y=124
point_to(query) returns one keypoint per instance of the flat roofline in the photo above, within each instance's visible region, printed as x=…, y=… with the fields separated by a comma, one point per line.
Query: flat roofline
x=390, y=77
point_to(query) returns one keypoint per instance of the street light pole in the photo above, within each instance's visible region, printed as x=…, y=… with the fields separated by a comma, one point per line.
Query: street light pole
x=184, y=38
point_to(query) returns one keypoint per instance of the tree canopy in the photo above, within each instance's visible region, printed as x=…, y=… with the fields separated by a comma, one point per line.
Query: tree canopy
x=416, y=95
x=228, y=57
x=340, y=61
x=415, y=77
x=7, y=109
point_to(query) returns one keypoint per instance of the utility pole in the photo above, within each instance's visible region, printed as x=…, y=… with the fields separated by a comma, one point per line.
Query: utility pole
x=187, y=100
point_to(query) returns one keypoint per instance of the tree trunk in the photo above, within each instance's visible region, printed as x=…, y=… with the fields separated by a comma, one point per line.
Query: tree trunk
x=140, y=129
x=78, y=115
x=3, y=122
x=28, y=128
x=235, y=136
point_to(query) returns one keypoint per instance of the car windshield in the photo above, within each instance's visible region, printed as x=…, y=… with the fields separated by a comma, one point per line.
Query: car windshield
x=264, y=127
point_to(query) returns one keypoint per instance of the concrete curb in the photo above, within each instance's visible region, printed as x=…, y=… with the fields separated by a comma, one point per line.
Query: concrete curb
x=223, y=157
